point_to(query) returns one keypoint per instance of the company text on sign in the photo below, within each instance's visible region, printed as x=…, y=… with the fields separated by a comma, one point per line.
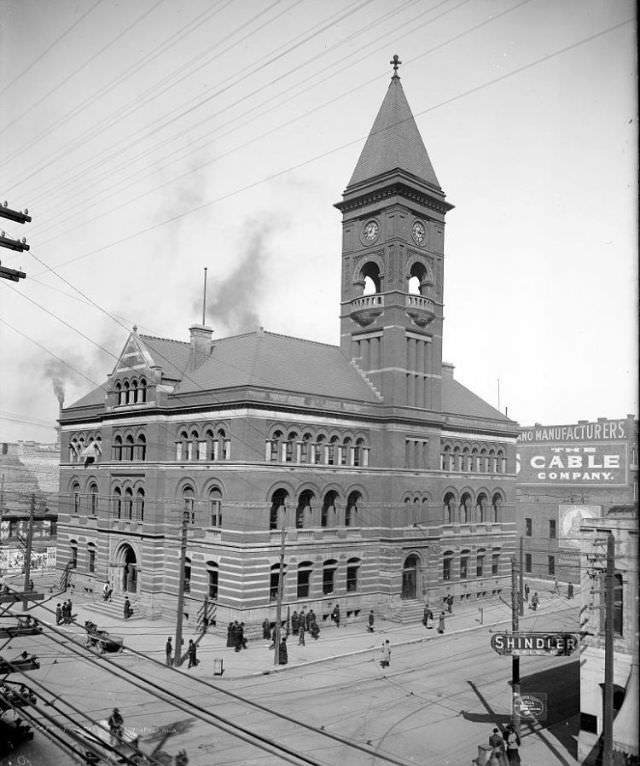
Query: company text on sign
x=519, y=644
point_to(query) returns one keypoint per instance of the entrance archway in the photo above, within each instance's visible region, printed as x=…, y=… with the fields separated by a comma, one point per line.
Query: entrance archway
x=410, y=577
x=128, y=564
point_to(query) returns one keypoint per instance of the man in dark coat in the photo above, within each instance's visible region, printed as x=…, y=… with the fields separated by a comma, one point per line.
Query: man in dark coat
x=310, y=617
x=335, y=615
x=241, y=637
x=449, y=600
x=427, y=616
x=230, y=634
x=370, y=621
x=570, y=590
x=527, y=590
x=266, y=629
x=127, y=609
x=191, y=654
x=441, y=620
x=116, y=726
x=58, y=614
x=168, y=650
x=283, y=655
x=294, y=623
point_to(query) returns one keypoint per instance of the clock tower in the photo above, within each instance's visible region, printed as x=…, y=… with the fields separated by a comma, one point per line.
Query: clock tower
x=393, y=260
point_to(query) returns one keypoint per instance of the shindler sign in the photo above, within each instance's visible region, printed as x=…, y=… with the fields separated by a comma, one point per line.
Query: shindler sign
x=525, y=644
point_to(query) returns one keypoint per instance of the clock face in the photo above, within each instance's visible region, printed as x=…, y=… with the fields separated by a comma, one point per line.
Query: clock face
x=418, y=232
x=370, y=231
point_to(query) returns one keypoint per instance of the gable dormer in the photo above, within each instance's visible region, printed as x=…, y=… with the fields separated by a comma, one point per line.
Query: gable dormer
x=135, y=375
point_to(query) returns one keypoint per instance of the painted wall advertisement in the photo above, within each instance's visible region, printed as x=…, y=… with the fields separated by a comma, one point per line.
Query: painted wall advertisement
x=570, y=517
x=589, y=464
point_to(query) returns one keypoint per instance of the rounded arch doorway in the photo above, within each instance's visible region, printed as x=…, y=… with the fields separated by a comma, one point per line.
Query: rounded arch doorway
x=410, y=577
x=127, y=562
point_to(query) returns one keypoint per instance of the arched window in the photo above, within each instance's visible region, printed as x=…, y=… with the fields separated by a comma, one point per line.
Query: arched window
x=484, y=461
x=306, y=449
x=496, y=504
x=192, y=446
x=320, y=449
x=128, y=503
x=93, y=498
x=304, y=504
x=116, y=448
x=445, y=458
x=118, y=390
x=140, y=448
x=448, y=506
x=139, y=510
x=275, y=444
x=332, y=454
x=75, y=492
x=181, y=448
x=475, y=460
x=91, y=557
x=328, y=504
x=329, y=576
x=290, y=451
x=359, y=452
x=212, y=574
x=370, y=279
x=465, y=508
x=142, y=391
x=467, y=460
x=189, y=500
x=127, y=452
x=353, y=568
x=304, y=577
x=224, y=445
x=134, y=392
x=73, y=547
x=73, y=451
x=447, y=558
x=125, y=392
x=117, y=503
x=481, y=507
x=351, y=509
x=345, y=452
x=480, y=562
x=215, y=507
x=187, y=576
x=501, y=462
x=274, y=581
x=278, y=500
x=464, y=564
x=492, y=461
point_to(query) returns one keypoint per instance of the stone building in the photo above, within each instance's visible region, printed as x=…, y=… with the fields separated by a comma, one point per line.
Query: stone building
x=568, y=473
x=394, y=482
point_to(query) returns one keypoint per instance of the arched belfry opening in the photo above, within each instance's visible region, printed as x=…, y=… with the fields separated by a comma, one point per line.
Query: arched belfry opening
x=371, y=279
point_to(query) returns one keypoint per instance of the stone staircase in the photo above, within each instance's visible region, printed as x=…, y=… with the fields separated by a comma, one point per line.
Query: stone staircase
x=114, y=609
x=407, y=610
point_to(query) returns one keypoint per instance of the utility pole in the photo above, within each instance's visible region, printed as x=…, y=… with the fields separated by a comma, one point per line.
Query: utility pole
x=276, y=647
x=515, y=661
x=521, y=579
x=607, y=713
x=27, y=553
x=19, y=245
x=179, y=614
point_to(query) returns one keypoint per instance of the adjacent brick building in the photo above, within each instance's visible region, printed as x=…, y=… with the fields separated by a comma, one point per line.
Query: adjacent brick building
x=395, y=482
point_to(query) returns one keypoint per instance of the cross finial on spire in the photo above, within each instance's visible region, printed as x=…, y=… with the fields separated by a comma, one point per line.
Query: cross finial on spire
x=396, y=63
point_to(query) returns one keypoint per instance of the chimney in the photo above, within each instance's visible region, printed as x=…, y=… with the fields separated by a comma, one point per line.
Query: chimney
x=447, y=370
x=201, y=345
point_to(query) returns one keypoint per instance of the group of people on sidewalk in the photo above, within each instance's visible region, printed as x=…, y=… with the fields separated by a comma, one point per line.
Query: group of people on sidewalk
x=504, y=747
x=427, y=617
x=303, y=623
x=64, y=614
x=235, y=635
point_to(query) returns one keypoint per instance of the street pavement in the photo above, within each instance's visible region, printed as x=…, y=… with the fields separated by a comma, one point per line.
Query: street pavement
x=348, y=646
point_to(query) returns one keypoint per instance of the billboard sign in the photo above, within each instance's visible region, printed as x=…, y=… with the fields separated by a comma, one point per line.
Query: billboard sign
x=526, y=644
x=575, y=465
x=603, y=430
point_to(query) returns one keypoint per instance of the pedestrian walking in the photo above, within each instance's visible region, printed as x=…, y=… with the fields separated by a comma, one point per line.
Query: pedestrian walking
x=191, y=654
x=513, y=745
x=242, y=641
x=283, y=654
x=535, y=601
x=230, y=634
x=498, y=754
x=168, y=650
x=449, y=601
x=314, y=629
x=105, y=591
x=110, y=593
x=127, y=609
x=266, y=629
x=335, y=615
x=385, y=659
x=58, y=614
x=527, y=590
x=441, y=620
x=301, y=632
x=116, y=726
x=556, y=586
x=427, y=617
x=69, y=615
x=370, y=621
x=570, y=590
x=294, y=623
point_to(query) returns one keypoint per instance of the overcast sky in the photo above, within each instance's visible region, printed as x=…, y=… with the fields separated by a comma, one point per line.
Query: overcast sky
x=152, y=139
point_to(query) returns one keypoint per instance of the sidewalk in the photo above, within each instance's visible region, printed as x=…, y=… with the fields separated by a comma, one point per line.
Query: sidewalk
x=149, y=636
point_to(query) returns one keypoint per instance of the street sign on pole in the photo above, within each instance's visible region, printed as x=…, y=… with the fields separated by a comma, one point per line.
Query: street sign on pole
x=532, y=706
x=526, y=644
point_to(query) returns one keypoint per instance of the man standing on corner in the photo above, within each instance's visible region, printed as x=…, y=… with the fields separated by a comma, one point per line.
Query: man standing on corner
x=168, y=650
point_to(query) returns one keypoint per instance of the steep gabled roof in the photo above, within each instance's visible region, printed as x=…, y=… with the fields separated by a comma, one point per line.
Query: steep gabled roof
x=270, y=360
x=394, y=142
x=459, y=400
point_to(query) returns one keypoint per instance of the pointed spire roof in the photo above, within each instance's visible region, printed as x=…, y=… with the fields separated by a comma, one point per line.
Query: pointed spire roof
x=394, y=142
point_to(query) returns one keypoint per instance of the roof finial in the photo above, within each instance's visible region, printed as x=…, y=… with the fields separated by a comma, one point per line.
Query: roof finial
x=396, y=63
